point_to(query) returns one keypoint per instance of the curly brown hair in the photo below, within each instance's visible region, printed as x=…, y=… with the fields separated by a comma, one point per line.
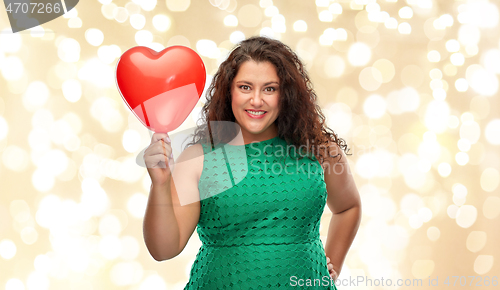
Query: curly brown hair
x=303, y=125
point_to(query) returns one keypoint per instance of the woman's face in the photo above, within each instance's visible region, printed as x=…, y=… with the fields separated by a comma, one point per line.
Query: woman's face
x=255, y=89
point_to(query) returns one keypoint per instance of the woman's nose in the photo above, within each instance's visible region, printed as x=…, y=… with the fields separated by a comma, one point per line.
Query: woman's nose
x=256, y=98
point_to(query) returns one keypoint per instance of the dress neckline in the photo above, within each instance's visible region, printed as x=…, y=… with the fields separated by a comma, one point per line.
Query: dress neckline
x=264, y=142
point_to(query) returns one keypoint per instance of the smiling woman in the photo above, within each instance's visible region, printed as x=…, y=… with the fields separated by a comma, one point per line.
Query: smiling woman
x=258, y=218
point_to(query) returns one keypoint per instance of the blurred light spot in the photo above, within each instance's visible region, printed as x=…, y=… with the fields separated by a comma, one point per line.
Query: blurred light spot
x=236, y=37
x=433, y=233
x=334, y=66
x=37, y=280
x=471, y=49
x=490, y=178
x=405, y=12
x=469, y=34
x=462, y=158
x=94, y=198
x=476, y=241
x=36, y=95
x=207, y=48
x=10, y=42
x=231, y=20
x=391, y=23
x=20, y=210
x=491, y=60
x=143, y=37
x=161, y=22
x=452, y=211
x=492, y=132
x=12, y=68
x=271, y=11
x=433, y=56
x=339, y=117
x=130, y=247
x=300, y=26
x=325, y=16
x=374, y=106
x=370, y=79
x=29, y=235
x=153, y=282
x=322, y=3
x=14, y=284
x=42, y=180
x=386, y=68
x=335, y=8
x=425, y=214
x=444, y=169
x=110, y=247
x=72, y=90
x=404, y=28
x=481, y=80
x=4, y=128
x=457, y=59
x=328, y=36
x=98, y=73
x=265, y=3
x=126, y=273
x=75, y=22
x=94, y=36
x=491, y=207
x=69, y=50
x=132, y=8
x=131, y=140
x=137, y=21
x=107, y=10
x=267, y=32
x=15, y=158
x=450, y=70
x=459, y=193
x=464, y=145
x=110, y=225
x=453, y=122
x=461, y=85
x=466, y=216
x=250, y=15
x=483, y=263
x=359, y=54
x=278, y=23
x=470, y=130
x=149, y=5
x=7, y=249
x=436, y=116
x=452, y=45
x=422, y=268
x=178, y=5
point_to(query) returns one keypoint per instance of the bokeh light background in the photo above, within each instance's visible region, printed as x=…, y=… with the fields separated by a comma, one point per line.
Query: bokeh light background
x=411, y=85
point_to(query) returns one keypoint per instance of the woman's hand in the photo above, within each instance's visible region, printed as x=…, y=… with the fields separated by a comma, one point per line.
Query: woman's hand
x=159, y=159
x=332, y=272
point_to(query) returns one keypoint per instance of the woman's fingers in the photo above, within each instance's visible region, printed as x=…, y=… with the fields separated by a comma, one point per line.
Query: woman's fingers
x=159, y=136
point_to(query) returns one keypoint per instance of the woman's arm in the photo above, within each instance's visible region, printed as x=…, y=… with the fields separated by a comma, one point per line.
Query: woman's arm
x=345, y=204
x=173, y=207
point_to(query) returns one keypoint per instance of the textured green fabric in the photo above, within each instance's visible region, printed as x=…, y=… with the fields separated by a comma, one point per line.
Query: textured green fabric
x=259, y=224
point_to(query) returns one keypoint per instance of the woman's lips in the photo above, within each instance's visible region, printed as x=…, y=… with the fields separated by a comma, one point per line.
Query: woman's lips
x=255, y=116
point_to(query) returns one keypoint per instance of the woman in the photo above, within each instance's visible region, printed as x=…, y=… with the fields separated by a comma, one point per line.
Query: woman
x=258, y=222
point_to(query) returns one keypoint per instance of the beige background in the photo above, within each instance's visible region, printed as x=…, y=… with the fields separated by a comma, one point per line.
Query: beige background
x=412, y=90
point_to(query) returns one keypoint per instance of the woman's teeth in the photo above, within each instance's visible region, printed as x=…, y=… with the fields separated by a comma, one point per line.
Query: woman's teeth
x=256, y=113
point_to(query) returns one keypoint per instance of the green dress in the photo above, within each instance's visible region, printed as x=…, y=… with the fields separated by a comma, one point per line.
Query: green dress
x=259, y=219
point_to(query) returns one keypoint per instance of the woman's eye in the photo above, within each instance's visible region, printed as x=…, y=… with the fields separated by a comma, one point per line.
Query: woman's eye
x=270, y=89
x=244, y=87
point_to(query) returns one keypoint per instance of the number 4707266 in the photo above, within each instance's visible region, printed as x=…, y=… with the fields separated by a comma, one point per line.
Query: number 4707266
x=42, y=8
x=479, y=281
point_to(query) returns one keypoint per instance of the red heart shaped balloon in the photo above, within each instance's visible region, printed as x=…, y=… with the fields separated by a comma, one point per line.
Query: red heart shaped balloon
x=161, y=88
